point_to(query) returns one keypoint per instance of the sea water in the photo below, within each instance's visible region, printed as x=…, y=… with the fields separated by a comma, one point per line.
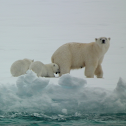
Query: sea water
x=35, y=101
x=53, y=119
x=39, y=119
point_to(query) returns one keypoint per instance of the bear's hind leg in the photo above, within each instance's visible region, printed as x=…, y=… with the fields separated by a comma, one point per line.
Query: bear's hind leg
x=99, y=71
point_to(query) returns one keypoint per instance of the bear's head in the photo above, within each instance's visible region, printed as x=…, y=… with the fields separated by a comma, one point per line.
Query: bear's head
x=103, y=42
x=55, y=68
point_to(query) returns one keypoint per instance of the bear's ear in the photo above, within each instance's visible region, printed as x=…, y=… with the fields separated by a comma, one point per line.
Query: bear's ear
x=33, y=60
x=109, y=38
x=96, y=39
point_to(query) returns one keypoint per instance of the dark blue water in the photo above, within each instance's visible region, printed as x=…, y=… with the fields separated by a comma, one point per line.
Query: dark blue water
x=40, y=119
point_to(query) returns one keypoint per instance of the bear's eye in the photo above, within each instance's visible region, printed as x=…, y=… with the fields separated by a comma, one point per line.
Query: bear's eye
x=54, y=65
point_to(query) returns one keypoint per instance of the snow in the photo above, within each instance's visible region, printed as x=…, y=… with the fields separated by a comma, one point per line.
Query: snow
x=34, y=29
x=37, y=94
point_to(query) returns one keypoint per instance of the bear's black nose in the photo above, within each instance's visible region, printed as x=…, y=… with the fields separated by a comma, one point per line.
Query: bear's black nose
x=103, y=41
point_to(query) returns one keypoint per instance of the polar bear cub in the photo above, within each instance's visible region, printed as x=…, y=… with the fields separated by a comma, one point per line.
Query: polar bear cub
x=44, y=70
x=78, y=55
x=20, y=67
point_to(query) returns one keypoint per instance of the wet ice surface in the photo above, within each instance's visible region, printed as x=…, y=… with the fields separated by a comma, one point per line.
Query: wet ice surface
x=70, y=96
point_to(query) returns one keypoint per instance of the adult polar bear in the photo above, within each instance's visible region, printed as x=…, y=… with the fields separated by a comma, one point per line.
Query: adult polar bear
x=77, y=55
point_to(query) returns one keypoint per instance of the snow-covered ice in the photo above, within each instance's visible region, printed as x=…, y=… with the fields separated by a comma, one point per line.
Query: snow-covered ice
x=37, y=94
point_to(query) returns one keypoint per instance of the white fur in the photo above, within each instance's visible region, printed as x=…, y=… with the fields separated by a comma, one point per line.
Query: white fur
x=77, y=55
x=44, y=70
x=20, y=67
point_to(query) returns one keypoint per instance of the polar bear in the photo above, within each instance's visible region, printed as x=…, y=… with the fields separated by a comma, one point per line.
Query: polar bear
x=78, y=55
x=20, y=67
x=44, y=70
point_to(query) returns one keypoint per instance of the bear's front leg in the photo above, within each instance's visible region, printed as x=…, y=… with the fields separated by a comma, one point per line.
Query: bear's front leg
x=99, y=71
x=89, y=71
x=90, y=68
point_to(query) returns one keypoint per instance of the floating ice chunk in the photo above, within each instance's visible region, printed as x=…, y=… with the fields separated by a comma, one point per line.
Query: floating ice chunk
x=116, y=101
x=68, y=96
x=121, y=86
x=120, y=90
x=64, y=111
x=39, y=83
x=30, y=76
x=29, y=84
x=67, y=81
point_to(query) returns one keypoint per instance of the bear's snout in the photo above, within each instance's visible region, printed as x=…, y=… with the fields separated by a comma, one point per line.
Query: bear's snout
x=103, y=41
x=57, y=72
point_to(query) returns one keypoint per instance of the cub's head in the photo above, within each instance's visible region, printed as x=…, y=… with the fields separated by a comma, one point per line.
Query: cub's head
x=55, y=68
x=103, y=42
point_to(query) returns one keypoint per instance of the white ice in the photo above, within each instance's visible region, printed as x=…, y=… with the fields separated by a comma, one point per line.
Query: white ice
x=35, y=29
x=33, y=94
